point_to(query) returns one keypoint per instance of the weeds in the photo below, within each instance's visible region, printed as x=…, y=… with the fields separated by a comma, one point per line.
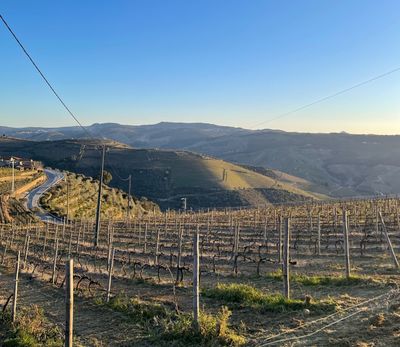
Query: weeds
x=137, y=310
x=212, y=331
x=322, y=280
x=31, y=329
x=178, y=329
x=248, y=296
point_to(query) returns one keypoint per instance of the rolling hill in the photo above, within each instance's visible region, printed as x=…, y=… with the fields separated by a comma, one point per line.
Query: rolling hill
x=165, y=176
x=337, y=164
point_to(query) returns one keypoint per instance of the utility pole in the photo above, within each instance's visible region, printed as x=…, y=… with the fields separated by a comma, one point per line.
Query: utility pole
x=98, y=210
x=66, y=179
x=13, y=175
x=128, y=213
x=184, y=204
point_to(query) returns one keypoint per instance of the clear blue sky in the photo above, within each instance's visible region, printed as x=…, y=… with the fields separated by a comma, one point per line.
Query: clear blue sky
x=225, y=62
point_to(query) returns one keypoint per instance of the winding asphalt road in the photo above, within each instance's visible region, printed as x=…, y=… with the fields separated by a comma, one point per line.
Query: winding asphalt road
x=32, y=199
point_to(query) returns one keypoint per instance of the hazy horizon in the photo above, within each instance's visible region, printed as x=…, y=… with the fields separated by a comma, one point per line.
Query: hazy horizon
x=204, y=123
x=237, y=65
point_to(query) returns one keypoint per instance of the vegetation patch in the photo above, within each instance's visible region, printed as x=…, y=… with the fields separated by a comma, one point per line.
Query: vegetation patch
x=137, y=310
x=249, y=296
x=212, y=330
x=178, y=329
x=31, y=329
x=322, y=280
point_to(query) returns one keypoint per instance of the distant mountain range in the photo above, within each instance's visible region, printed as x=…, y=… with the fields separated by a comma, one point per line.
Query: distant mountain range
x=339, y=164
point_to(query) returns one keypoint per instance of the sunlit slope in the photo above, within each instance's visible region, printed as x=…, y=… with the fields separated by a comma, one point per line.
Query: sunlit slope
x=165, y=176
x=76, y=197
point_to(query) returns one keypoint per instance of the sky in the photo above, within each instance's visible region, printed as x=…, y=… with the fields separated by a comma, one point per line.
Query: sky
x=236, y=63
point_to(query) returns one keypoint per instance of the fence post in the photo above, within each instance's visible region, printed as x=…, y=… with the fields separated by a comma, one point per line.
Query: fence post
x=346, y=242
x=15, y=298
x=110, y=248
x=196, y=270
x=69, y=322
x=285, y=265
x=53, y=276
x=157, y=247
x=178, y=260
x=26, y=252
x=393, y=254
x=145, y=239
x=280, y=240
x=110, y=272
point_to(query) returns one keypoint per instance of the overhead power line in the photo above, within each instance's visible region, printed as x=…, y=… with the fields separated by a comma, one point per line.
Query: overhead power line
x=44, y=77
x=52, y=88
x=328, y=97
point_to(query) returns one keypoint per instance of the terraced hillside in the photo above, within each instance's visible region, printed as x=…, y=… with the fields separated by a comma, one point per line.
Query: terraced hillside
x=165, y=176
x=11, y=206
x=78, y=195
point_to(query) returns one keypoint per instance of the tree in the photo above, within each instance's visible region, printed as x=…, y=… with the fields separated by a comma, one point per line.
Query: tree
x=107, y=177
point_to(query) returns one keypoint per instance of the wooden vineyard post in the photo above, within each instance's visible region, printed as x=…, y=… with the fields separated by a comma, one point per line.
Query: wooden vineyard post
x=69, y=321
x=346, y=243
x=393, y=254
x=45, y=242
x=280, y=240
x=140, y=234
x=5, y=250
x=178, y=260
x=319, y=235
x=285, y=265
x=110, y=248
x=53, y=276
x=26, y=252
x=208, y=229
x=15, y=298
x=265, y=243
x=24, y=248
x=196, y=277
x=63, y=229
x=78, y=239
x=157, y=246
x=110, y=273
x=236, y=249
x=70, y=243
x=145, y=239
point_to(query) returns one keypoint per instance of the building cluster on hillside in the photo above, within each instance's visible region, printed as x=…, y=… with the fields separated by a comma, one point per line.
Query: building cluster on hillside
x=20, y=163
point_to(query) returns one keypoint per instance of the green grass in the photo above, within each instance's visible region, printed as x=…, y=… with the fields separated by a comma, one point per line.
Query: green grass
x=248, y=296
x=164, y=325
x=137, y=310
x=213, y=330
x=31, y=329
x=322, y=280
